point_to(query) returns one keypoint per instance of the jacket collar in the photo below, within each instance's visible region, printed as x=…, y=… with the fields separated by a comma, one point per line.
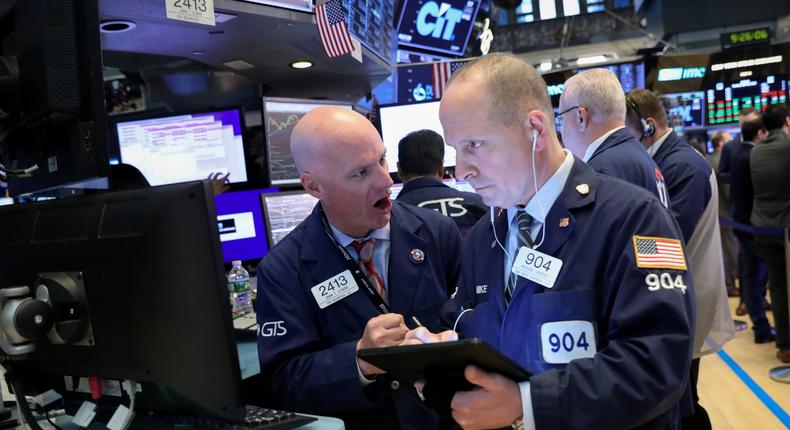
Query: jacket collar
x=619, y=137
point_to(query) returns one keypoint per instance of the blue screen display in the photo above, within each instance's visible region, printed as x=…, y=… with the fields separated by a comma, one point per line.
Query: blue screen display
x=441, y=27
x=241, y=225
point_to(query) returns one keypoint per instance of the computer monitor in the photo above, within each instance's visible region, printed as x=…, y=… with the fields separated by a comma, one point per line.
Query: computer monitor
x=242, y=229
x=146, y=268
x=52, y=115
x=399, y=120
x=726, y=99
x=285, y=211
x=185, y=147
x=279, y=118
x=685, y=109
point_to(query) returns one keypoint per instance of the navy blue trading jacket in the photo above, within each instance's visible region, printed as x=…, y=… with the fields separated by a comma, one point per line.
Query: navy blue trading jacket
x=428, y=192
x=309, y=359
x=687, y=176
x=622, y=156
x=643, y=333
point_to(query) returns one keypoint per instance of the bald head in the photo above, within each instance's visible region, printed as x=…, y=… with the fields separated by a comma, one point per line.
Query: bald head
x=322, y=134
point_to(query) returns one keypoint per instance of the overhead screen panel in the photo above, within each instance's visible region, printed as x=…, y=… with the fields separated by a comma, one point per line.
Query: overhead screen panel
x=370, y=21
x=631, y=75
x=279, y=118
x=442, y=27
x=182, y=148
x=685, y=109
x=400, y=120
x=242, y=230
x=725, y=100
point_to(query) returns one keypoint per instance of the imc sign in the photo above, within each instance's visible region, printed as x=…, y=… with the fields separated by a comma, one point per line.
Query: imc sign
x=439, y=26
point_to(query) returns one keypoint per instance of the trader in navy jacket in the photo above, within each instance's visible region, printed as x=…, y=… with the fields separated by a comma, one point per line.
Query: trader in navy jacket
x=593, y=129
x=694, y=200
x=421, y=167
x=587, y=288
x=320, y=300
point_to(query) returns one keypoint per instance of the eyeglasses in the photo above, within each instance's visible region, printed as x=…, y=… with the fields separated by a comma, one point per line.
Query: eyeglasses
x=558, y=119
x=568, y=110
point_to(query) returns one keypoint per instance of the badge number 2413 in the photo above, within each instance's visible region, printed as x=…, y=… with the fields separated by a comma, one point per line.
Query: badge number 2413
x=334, y=289
x=189, y=5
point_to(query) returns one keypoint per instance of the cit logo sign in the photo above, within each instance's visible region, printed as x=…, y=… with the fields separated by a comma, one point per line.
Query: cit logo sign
x=437, y=20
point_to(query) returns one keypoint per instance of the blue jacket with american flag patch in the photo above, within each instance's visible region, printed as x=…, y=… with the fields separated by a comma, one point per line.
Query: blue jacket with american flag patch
x=609, y=345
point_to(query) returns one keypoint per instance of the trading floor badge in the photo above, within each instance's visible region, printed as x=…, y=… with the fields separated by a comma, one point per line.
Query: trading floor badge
x=417, y=255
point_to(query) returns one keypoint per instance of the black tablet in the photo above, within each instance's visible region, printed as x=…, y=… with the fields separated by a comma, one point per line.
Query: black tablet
x=434, y=361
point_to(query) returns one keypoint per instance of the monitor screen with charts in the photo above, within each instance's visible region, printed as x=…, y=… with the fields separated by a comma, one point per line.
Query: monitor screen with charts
x=399, y=120
x=285, y=211
x=279, y=118
x=242, y=229
x=725, y=100
x=181, y=148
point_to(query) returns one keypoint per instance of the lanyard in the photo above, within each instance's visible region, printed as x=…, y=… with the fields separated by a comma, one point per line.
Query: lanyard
x=353, y=266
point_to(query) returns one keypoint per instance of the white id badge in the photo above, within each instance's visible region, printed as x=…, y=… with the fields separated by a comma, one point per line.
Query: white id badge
x=335, y=289
x=537, y=266
x=563, y=341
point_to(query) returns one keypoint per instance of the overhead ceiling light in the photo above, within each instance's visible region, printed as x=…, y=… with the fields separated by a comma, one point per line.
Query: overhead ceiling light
x=746, y=73
x=116, y=26
x=545, y=67
x=593, y=59
x=746, y=63
x=301, y=64
x=198, y=52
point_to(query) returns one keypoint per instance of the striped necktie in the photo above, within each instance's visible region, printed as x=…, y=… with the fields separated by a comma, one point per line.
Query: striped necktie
x=522, y=223
x=365, y=252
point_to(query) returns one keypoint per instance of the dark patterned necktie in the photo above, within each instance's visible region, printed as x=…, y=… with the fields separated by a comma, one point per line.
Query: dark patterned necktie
x=522, y=223
x=365, y=251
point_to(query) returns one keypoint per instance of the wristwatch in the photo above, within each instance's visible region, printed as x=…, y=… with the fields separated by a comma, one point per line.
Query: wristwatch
x=518, y=425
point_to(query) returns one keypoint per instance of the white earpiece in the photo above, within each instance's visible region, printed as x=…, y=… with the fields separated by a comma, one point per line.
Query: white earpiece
x=534, y=139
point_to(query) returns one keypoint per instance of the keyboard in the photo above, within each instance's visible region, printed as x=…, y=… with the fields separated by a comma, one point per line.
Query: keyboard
x=257, y=419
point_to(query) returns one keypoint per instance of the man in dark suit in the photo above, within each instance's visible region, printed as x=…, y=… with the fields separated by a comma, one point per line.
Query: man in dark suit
x=752, y=267
x=421, y=167
x=349, y=277
x=593, y=129
x=730, y=148
x=770, y=168
x=693, y=196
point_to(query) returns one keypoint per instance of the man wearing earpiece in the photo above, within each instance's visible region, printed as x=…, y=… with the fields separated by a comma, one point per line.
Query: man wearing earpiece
x=579, y=277
x=593, y=129
x=693, y=196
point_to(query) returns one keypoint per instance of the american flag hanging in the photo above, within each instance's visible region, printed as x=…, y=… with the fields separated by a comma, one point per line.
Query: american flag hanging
x=659, y=253
x=441, y=74
x=332, y=27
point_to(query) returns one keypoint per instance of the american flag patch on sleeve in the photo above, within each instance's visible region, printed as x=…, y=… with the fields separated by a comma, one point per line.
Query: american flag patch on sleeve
x=659, y=253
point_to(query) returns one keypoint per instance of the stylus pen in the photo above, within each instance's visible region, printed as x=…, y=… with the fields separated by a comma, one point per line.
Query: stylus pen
x=416, y=321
